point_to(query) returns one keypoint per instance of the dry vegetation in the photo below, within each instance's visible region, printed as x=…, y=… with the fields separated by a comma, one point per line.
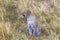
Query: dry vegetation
x=46, y=11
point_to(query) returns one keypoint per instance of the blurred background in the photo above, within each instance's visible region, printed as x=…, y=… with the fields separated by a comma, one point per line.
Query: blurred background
x=46, y=11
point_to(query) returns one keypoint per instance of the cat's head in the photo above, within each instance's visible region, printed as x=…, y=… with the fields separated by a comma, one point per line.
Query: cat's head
x=25, y=14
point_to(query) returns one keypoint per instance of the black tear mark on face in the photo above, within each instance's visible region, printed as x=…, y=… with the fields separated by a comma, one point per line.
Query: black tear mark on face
x=24, y=15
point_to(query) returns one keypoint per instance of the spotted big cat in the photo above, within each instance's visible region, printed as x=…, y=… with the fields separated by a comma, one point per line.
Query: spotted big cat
x=32, y=24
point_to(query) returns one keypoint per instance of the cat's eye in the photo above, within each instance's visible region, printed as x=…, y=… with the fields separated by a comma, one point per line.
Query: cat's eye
x=24, y=15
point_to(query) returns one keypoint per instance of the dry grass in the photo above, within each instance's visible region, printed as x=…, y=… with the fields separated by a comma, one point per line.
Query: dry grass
x=13, y=28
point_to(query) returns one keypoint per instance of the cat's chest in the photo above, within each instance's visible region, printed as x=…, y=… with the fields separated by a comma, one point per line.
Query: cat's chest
x=31, y=20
